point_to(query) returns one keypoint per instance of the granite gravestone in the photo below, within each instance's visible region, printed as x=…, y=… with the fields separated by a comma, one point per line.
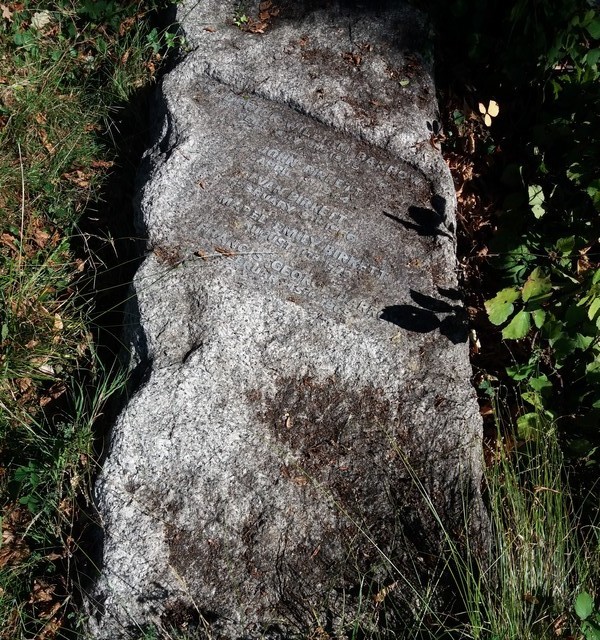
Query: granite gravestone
x=306, y=373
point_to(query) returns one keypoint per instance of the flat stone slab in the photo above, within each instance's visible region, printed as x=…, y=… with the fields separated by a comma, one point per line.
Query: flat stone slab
x=303, y=348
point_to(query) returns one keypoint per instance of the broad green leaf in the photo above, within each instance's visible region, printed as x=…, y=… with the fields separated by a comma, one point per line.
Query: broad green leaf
x=593, y=190
x=592, y=311
x=537, y=284
x=590, y=630
x=458, y=117
x=565, y=245
x=579, y=447
x=536, y=200
x=4, y=331
x=583, y=342
x=584, y=605
x=574, y=316
x=534, y=399
x=539, y=315
x=563, y=348
x=594, y=28
x=527, y=425
x=518, y=327
x=553, y=330
x=540, y=383
x=501, y=305
x=521, y=371
x=592, y=57
x=592, y=370
x=574, y=172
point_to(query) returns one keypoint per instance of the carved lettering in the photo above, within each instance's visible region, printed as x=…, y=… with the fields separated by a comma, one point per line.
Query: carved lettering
x=300, y=206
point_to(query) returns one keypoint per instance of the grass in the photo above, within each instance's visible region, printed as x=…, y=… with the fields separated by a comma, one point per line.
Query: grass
x=66, y=66
x=542, y=558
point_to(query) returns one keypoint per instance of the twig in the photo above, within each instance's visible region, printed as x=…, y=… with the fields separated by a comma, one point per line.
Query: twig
x=22, y=206
x=233, y=254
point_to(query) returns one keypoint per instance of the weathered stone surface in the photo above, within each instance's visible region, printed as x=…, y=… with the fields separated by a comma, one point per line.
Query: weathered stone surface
x=304, y=351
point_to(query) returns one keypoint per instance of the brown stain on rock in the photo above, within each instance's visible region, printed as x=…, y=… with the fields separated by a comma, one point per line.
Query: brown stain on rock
x=345, y=442
x=337, y=445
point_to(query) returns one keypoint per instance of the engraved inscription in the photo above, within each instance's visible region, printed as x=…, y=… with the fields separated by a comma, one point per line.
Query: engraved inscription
x=302, y=206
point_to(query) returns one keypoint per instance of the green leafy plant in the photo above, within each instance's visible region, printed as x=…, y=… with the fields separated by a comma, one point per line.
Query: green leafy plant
x=589, y=616
x=240, y=20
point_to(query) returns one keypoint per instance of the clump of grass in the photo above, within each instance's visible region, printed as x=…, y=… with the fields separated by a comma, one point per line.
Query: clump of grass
x=64, y=67
x=541, y=556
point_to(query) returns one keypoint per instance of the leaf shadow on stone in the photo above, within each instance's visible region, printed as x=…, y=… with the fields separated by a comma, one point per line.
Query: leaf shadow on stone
x=424, y=319
x=426, y=221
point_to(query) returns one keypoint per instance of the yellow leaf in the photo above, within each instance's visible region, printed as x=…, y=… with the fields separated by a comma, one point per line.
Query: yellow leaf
x=490, y=112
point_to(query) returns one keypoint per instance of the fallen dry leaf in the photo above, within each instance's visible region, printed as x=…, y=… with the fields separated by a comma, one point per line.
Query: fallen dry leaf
x=102, y=164
x=65, y=508
x=560, y=624
x=126, y=25
x=82, y=347
x=13, y=549
x=51, y=630
x=224, y=251
x=78, y=177
x=352, y=58
x=266, y=12
x=24, y=384
x=210, y=29
x=55, y=391
x=257, y=27
x=168, y=255
x=380, y=596
x=9, y=240
x=42, y=592
x=6, y=12
x=40, y=19
x=583, y=262
x=41, y=237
